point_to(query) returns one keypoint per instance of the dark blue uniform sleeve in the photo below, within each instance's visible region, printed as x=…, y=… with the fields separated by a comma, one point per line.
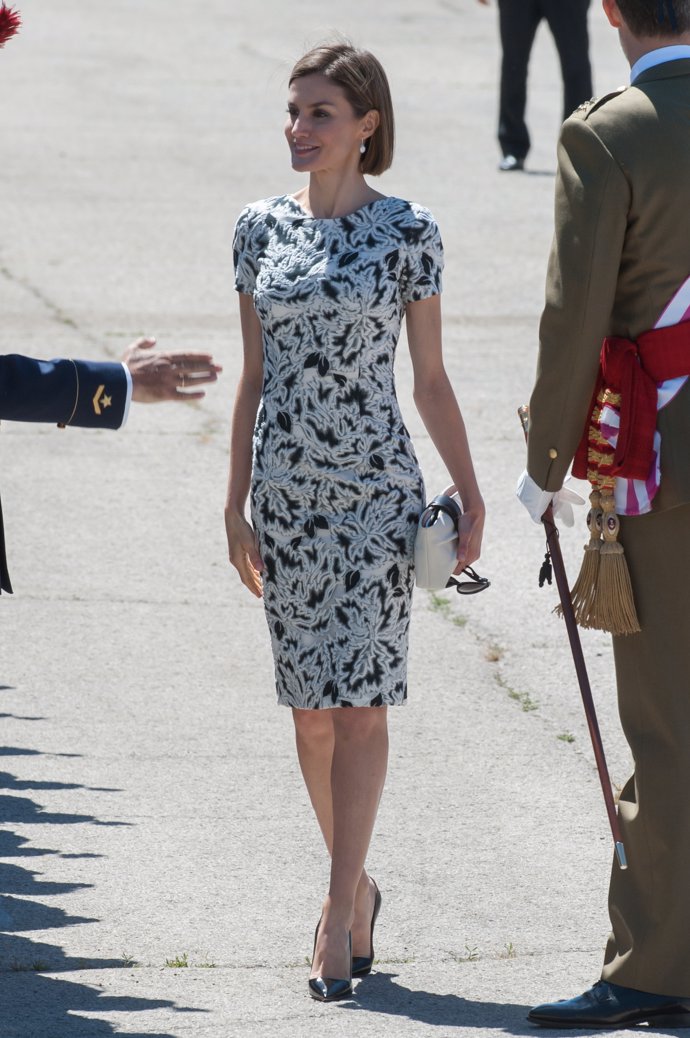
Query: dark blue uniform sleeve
x=68, y=392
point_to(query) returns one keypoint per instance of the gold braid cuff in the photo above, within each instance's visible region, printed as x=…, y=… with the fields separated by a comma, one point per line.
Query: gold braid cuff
x=61, y=425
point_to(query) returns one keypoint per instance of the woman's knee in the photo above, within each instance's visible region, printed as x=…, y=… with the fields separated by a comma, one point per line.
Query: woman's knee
x=313, y=725
x=360, y=723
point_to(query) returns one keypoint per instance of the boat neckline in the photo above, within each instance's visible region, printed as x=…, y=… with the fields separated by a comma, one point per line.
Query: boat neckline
x=330, y=219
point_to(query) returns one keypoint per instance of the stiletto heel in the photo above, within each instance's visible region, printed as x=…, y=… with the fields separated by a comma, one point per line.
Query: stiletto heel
x=329, y=989
x=361, y=964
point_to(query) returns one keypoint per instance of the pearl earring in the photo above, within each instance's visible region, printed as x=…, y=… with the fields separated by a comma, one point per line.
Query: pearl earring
x=362, y=148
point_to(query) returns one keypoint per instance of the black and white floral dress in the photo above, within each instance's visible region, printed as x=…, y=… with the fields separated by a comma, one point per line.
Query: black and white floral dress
x=336, y=487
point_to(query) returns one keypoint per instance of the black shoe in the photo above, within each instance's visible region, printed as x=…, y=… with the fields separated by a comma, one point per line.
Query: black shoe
x=329, y=989
x=510, y=164
x=361, y=964
x=611, y=1005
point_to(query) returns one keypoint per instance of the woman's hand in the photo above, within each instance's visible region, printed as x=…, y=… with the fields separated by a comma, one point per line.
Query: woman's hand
x=470, y=530
x=243, y=551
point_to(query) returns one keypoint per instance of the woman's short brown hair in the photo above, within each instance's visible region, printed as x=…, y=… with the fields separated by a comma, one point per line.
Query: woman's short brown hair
x=363, y=81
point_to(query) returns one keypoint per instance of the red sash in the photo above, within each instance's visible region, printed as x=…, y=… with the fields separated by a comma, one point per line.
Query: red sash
x=634, y=369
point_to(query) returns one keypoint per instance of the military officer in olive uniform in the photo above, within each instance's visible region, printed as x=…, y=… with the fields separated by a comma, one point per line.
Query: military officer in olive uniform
x=619, y=268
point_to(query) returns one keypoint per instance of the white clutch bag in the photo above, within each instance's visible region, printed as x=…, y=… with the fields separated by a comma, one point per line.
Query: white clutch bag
x=436, y=544
x=436, y=547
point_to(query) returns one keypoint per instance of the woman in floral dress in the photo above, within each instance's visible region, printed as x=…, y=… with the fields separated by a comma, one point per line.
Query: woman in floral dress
x=325, y=278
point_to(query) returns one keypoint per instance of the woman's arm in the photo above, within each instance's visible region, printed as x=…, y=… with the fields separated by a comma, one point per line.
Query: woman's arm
x=438, y=409
x=242, y=546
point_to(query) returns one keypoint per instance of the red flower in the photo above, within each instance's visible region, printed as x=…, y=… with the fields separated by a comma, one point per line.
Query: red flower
x=10, y=21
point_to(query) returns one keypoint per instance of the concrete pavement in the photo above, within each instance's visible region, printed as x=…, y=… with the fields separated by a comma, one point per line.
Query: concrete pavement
x=161, y=871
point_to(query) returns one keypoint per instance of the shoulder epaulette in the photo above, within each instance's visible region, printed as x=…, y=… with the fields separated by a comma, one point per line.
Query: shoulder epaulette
x=586, y=109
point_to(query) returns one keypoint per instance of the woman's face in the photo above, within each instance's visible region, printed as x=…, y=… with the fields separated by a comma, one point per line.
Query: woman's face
x=322, y=130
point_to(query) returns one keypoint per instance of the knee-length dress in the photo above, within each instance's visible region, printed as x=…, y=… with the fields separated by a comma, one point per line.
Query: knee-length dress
x=336, y=489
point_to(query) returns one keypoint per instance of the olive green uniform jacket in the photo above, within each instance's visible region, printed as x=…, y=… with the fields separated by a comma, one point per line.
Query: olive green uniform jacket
x=621, y=251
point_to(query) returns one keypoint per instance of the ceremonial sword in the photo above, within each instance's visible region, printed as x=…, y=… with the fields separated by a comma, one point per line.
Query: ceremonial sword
x=554, y=548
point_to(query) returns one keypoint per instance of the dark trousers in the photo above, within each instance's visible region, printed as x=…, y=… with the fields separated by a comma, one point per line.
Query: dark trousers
x=518, y=21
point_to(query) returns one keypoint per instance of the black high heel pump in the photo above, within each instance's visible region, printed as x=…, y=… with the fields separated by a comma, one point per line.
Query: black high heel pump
x=361, y=964
x=330, y=989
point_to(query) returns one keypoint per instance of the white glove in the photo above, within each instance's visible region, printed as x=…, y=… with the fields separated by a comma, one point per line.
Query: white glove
x=536, y=500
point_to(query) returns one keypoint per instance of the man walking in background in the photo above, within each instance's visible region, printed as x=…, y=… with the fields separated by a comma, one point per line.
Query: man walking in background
x=518, y=23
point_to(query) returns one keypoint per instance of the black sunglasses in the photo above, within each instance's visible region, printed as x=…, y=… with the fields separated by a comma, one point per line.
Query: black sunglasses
x=472, y=586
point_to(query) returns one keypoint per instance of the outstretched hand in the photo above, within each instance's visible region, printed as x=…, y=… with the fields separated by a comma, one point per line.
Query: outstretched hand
x=167, y=376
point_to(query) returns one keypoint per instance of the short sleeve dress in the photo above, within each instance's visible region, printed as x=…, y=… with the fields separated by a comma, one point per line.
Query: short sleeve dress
x=336, y=489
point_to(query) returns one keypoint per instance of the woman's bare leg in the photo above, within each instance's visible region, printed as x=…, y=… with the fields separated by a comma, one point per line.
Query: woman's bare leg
x=315, y=740
x=353, y=778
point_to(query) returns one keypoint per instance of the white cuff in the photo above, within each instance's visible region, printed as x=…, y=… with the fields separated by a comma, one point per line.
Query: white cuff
x=128, y=401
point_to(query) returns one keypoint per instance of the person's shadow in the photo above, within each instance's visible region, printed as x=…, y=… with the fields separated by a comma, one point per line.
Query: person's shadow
x=380, y=993
x=33, y=1002
x=44, y=1005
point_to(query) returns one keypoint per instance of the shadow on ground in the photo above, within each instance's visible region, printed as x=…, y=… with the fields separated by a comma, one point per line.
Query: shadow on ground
x=36, y=1005
x=382, y=994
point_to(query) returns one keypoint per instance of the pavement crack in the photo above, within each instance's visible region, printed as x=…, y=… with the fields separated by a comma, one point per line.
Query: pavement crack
x=55, y=311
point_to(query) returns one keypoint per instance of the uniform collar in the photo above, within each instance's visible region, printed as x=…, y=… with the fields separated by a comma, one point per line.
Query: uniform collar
x=658, y=57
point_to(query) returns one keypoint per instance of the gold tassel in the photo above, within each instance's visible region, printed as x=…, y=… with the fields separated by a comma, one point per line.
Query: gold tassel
x=602, y=595
x=614, y=606
x=584, y=589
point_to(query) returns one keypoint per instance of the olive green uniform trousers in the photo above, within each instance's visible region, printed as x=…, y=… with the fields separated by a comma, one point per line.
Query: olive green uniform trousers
x=649, y=903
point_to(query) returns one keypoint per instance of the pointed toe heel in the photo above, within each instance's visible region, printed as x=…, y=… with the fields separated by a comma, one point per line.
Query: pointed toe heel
x=330, y=989
x=325, y=989
x=361, y=964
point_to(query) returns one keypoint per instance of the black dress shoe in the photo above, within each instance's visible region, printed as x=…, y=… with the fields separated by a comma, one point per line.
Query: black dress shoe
x=361, y=964
x=511, y=163
x=330, y=989
x=611, y=1005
